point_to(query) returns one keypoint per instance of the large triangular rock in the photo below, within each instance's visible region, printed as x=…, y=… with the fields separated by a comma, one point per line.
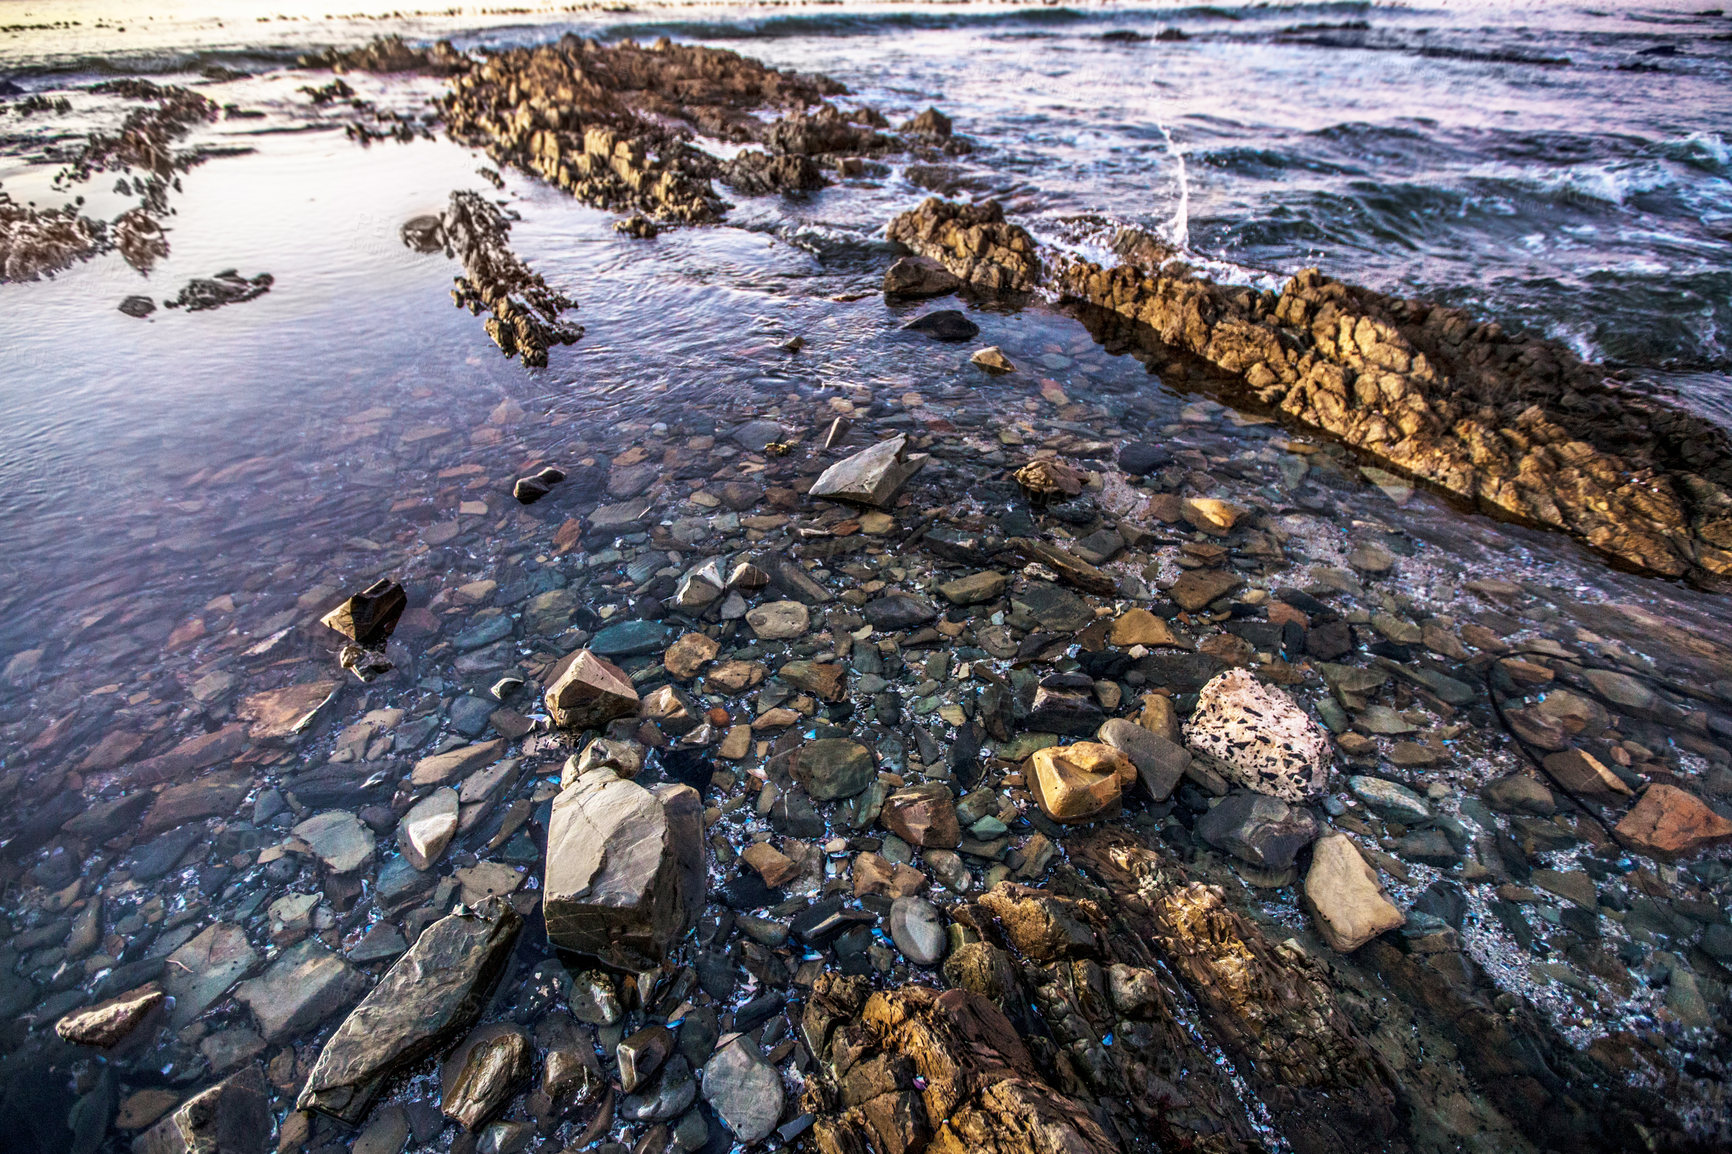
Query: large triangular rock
x=625, y=869
x=872, y=476
x=430, y=996
x=590, y=692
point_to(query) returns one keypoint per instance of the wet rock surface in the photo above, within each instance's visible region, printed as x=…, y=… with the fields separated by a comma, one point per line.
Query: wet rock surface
x=1518, y=424
x=910, y=846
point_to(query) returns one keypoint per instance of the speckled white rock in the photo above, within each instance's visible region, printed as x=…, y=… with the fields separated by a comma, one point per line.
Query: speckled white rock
x=1258, y=737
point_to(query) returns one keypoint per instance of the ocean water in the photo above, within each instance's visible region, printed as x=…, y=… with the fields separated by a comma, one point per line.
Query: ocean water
x=1558, y=167
x=177, y=493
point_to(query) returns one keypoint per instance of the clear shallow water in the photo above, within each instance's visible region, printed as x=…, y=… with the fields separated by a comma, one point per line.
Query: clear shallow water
x=1551, y=166
x=181, y=490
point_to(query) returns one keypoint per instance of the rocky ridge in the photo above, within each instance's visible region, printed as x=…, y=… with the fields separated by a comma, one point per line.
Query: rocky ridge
x=1517, y=424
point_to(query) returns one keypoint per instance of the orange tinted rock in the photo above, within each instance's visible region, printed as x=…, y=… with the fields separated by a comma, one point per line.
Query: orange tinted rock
x=1074, y=783
x=1671, y=822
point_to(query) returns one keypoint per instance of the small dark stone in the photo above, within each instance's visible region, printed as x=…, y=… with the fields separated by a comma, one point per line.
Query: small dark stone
x=1141, y=458
x=945, y=325
x=137, y=306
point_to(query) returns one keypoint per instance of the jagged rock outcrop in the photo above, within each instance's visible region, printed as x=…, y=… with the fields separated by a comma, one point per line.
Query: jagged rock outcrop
x=973, y=241
x=1518, y=424
x=391, y=54
x=915, y=1070
x=39, y=242
x=526, y=311
x=756, y=173
x=612, y=125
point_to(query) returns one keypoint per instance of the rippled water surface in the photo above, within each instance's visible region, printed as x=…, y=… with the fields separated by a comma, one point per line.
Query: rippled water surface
x=181, y=490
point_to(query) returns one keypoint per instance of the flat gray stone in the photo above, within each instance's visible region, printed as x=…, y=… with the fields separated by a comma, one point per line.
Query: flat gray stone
x=917, y=928
x=744, y=1090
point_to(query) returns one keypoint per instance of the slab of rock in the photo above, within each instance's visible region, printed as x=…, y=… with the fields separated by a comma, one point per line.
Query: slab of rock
x=1256, y=828
x=1579, y=771
x=774, y=866
x=278, y=714
x=306, y=984
x=872, y=476
x=232, y=1117
x=825, y=680
x=1076, y=783
x=975, y=588
x=1669, y=822
x=428, y=827
x=1070, y=712
x=1258, y=737
x=1140, y=627
x=1160, y=763
x=779, y=620
x=1071, y=569
x=370, y=615
x=895, y=611
x=200, y=752
x=338, y=838
x=877, y=874
x=1198, y=588
x=1390, y=801
x=744, y=1090
x=454, y=763
x=1520, y=793
x=923, y=815
x=219, y=795
x=201, y=971
x=830, y=769
x=993, y=360
x=1210, y=515
x=625, y=872
x=431, y=995
x=1346, y=901
x=111, y=1023
x=589, y=692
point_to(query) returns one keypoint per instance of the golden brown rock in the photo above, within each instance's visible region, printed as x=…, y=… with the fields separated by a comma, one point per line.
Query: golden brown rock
x=1074, y=783
x=111, y=1023
x=689, y=654
x=1140, y=627
x=973, y=241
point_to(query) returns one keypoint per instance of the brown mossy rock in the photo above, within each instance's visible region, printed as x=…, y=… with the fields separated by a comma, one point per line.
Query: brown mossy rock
x=1042, y=925
x=612, y=124
x=525, y=320
x=978, y=1089
x=973, y=241
x=1514, y=423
